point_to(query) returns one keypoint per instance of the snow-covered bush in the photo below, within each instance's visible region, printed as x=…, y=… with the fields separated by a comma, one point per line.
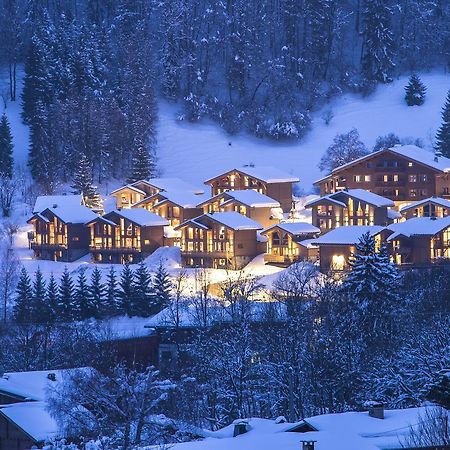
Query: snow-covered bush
x=387, y=141
x=195, y=107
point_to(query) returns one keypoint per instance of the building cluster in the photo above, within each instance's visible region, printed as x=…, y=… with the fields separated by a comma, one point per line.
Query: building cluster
x=399, y=195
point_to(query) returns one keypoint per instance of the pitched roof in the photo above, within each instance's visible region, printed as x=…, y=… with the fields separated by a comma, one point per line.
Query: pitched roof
x=47, y=201
x=436, y=200
x=70, y=213
x=419, y=226
x=184, y=199
x=248, y=197
x=141, y=217
x=33, y=418
x=128, y=186
x=360, y=194
x=171, y=184
x=294, y=228
x=263, y=173
x=347, y=235
x=233, y=220
x=412, y=152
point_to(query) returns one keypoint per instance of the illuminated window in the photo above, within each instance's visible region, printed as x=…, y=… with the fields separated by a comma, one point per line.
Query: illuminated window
x=385, y=178
x=367, y=178
x=337, y=262
x=412, y=178
x=424, y=177
x=410, y=164
x=357, y=178
x=395, y=177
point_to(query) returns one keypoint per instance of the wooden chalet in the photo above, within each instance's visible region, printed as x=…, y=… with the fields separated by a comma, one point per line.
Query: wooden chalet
x=60, y=232
x=266, y=180
x=220, y=240
x=259, y=207
x=420, y=241
x=130, y=194
x=337, y=246
x=126, y=236
x=429, y=207
x=289, y=242
x=351, y=207
x=402, y=173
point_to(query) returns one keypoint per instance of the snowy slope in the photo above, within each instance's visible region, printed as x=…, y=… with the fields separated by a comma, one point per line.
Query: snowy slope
x=197, y=151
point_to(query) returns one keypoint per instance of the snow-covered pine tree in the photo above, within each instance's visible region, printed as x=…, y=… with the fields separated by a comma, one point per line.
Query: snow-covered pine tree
x=415, y=91
x=97, y=293
x=346, y=147
x=143, y=166
x=143, y=294
x=162, y=288
x=84, y=309
x=6, y=148
x=111, y=306
x=83, y=184
x=377, y=56
x=24, y=297
x=51, y=298
x=39, y=307
x=126, y=290
x=66, y=300
x=443, y=133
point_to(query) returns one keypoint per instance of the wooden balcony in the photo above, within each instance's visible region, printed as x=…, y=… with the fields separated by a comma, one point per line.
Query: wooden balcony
x=36, y=246
x=278, y=259
x=101, y=249
x=207, y=254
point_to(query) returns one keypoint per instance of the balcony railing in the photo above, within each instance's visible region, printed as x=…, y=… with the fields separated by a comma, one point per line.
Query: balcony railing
x=100, y=248
x=46, y=246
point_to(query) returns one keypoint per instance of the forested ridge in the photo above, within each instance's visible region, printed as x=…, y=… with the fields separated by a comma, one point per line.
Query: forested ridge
x=93, y=69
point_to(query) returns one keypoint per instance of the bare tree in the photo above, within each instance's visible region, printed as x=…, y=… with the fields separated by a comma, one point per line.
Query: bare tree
x=8, y=189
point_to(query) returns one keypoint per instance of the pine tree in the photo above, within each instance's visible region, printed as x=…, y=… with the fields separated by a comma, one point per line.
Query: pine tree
x=6, y=148
x=24, y=298
x=143, y=166
x=97, y=294
x=143, y=295
x=111, y=306
x=66, y=301
x=443, y=133
x=377, y=58
x=162, y=287
x=415, y=91
x=84, y=309
x=82, y=183
x=40, y=311
x=126, y=291
x=51, y=297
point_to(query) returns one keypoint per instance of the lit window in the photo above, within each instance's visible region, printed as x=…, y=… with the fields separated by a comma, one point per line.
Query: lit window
x=412, y=178
x=395, y=177
x=424, y=177
x=410, y=164
x=337, y=262
x=385, y=178
x=357, y=178
x=367, y=178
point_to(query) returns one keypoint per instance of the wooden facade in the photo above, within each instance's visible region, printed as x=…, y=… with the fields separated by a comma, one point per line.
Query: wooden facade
x=431, y=207
x=208, y=242
x=12, y=437
x=117, y=239
x=390, y=174
x=240, y=179
x=56, y=239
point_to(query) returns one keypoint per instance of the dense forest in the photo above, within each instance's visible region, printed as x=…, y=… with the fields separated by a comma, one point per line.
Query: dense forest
x=93, y=69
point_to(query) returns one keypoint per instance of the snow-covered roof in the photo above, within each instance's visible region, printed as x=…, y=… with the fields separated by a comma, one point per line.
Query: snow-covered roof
x=263, y=173
x=233, y=220
x=184, y=199
x=171, y=184
x=70, y=213
x=435, y=200
x=252, y=198
x=325, y=199
x=128, y=186
x=360, y=194
x=411, y=152
x=141, y=217
x=47, y=201
x=294, y=228
x=33, y=418
x=347, y=235
x=29, y=385
x=393, y=214
x=419, y=226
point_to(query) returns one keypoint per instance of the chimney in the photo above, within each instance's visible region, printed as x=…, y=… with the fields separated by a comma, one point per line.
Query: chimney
x=240, y=427
x=308, y=445
x=376, y=409
x=54, y=205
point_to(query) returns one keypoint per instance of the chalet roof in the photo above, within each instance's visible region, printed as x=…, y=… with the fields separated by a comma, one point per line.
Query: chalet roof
x=294, y=228
x=436, y=200
x=347, y=235
x=70, y=213
x=263, y=173
x=47, y=201
x=359, y=194
x=248, y=197
x=233, y=220
x=419, y=226
x=411, y=152
x=32, y=418
x=183, y=199
x=171, y=184
x=128, y=186
x=140, y=216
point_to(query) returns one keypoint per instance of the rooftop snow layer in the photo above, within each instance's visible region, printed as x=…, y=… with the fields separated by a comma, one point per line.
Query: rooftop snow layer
x=33, y=418
x=173, y=184
x=360, y=194
x=71, y=213
x=263, y=173
x=47, y=201
x=423, y=226
x=436, y=200
x=128, y=186
x=254, y=199
x=185, y=199
x=347, y=235
x=295, y=228
x=142, y=217
x=233, y=220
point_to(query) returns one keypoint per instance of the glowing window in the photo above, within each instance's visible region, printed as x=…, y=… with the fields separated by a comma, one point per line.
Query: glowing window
x=337, y=262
